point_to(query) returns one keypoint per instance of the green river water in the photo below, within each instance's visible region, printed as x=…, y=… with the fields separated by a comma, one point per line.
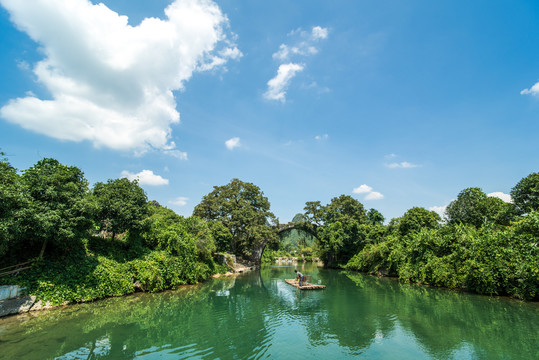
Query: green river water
x=258, y=316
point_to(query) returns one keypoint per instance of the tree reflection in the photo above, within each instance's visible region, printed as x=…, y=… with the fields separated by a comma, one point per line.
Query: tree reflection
x=243, y=317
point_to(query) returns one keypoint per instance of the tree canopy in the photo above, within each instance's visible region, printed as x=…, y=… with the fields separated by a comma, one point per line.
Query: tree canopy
x=120, y=205
x=57, y=210
x=245, y=211
x=526, y=194
x=474, y=207
x=418, y=218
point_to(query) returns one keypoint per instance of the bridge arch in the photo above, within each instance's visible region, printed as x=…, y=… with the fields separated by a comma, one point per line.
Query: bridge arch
x=282, y=229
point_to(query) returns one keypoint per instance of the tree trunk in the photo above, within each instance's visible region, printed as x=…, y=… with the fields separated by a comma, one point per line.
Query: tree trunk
x=43, y=249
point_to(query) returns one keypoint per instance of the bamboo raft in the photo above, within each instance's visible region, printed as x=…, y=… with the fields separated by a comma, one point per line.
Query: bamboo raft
x=305, y=286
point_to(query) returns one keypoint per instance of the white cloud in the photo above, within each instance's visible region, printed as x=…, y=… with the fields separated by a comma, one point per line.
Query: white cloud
x=322, y=137
x=368, y=191
x=534, y=90
x=374, y=195
x=440, y=210
x=112, y=83
x=278, y=85
x=145, y=177
x=232, y=143
x=391, y=156
x=303, y=44
x=179, y=201
x=319, y=33
x=402, y=165
x=362, y=189
x=500, y=195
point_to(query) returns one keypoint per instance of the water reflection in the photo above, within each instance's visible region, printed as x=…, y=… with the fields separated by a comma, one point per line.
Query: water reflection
x=258, y=315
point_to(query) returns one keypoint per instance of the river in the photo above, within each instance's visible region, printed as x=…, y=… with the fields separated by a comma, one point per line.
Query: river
x=257, y=315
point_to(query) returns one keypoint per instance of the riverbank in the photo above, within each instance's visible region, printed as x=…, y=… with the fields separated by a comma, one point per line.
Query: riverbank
x=50, y=285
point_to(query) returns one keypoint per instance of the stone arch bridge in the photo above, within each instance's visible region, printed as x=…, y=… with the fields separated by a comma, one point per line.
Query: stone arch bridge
x=282, y=228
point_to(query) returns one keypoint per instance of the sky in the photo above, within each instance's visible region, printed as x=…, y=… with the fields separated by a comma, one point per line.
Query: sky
x=395, y=103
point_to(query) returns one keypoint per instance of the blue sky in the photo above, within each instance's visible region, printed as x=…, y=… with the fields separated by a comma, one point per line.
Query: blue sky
x=397, y=103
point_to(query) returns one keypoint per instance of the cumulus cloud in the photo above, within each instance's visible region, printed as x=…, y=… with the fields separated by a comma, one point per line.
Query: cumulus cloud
x=534, y=90
x=145, y=177
x=500, y=195
x=319, y=33
x=303, y=43
x=374, y=195
x=368, y=191
x=278, y=85
x=322, y=137
x=232, y=143
x=402, y=165
x=179, y=201
x=440, y=210
x=362, y=189
x=112, y=83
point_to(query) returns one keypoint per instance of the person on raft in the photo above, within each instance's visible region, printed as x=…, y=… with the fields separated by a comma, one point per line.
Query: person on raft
x=299, y=276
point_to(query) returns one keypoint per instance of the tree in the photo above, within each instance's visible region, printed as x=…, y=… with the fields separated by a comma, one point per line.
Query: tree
x=345, y=209
x=375, y=217
x=221, y=236
x=314, y=212
x=120, y=205
x=58, y=211
x=474, y=207
x=338, y=227
x=467, y=208
x=12, y=201
x=526, y=194
x=245, y=211
x=418, y=218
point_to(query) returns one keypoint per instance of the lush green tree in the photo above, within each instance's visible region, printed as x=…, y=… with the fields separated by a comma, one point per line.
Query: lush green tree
x=58, y=212
x=245, y=211
x=314, y=213
x=345, y=209
x=338, y=227
x=120, y=204
x=221, y=235
x=467, y=208
x=526, y=194
x=12, y=201
x=474, y=207
x=375, y=217
x=418, y=218
x=203, y=235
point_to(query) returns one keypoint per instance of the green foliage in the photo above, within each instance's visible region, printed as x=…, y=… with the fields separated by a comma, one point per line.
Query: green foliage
x=473, y=207
x=486, y=260
x=245, y=211
x=221, y=235
x=58, y=210
x=344, y=209
x=120, y=205
x=87, y=278
x=526, y=194
x=418, y=218
x=375, y=217
x=339, y=227
x=12, y=203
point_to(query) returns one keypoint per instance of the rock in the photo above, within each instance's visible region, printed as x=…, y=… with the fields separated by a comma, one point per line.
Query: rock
x=39, y=305
x=16, y=306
